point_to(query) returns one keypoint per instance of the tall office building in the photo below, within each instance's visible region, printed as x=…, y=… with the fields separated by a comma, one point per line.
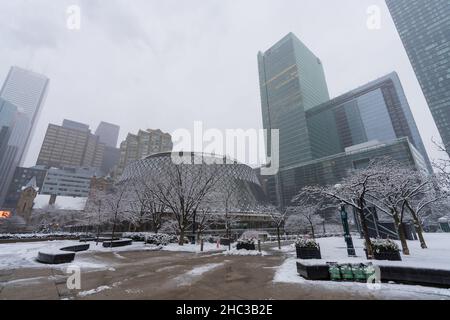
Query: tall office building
x=70, y=146
x=292, y=81
x=108, y=134
x=21, y=99
x=424, y=28
x=141, y=145
x=377, y=111
x=70, y=124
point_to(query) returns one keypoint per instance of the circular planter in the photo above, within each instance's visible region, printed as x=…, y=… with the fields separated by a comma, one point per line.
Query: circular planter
x=58, y=257
x=306, y=253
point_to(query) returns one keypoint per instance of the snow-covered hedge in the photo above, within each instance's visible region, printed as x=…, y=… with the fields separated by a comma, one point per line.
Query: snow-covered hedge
x=246, y=241
x=384, y=245
x=31, y=236
x=152, y=238
x=306, y=243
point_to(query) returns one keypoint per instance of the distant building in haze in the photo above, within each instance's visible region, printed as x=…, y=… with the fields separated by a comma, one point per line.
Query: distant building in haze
x=22, y=97
x=145, y=143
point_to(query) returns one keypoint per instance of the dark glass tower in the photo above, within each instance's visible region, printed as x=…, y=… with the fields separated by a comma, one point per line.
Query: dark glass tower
x=424, y=28
x=21, y=99
x=292, y=81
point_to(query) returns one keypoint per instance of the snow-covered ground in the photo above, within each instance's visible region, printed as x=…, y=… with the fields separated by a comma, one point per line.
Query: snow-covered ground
x=437, y=256
x=23, y=254
x=334, y=250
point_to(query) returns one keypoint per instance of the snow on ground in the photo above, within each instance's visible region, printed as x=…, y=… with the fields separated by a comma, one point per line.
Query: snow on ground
x=437, y=256
x=236, y=252
x=287, y=273
x=24, y=254
x=334, y=250
x=194, y=248
x=93, y=291
x=191, y=276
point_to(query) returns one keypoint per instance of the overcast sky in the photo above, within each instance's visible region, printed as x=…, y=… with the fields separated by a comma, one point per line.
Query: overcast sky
x=165, y=64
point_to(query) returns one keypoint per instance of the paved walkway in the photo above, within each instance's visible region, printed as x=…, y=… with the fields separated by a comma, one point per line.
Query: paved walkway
x=171, y=275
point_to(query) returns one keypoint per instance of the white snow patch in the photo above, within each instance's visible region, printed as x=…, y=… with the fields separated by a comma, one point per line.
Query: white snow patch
x=93, y=291
x=189, y=277
x=236, y=252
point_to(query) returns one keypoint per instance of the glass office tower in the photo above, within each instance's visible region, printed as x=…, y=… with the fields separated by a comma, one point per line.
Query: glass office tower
x=292, y=81
x=377, y=111
x=21, y=98
x=424, y=28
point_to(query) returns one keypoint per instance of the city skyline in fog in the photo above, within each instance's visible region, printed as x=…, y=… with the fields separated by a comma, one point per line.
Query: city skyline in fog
x=163, y=66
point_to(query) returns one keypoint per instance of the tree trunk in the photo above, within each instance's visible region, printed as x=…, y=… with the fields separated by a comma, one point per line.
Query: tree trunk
x=98, y=234
x=181, y=241
x=365, y=230
x=417, y=225
x=279, y=237
x=313, y=233
x=401, y=234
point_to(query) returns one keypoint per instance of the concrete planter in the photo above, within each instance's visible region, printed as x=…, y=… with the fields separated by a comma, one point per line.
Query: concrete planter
x=246, y=246
x=308, y=253
x=55, y=257
x=117, y=243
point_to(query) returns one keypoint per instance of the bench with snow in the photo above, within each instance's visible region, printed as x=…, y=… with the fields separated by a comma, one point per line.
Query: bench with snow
x=101, y=239
x=77, y=248
x=397, y=274
x=117, y=243
x=55, y=257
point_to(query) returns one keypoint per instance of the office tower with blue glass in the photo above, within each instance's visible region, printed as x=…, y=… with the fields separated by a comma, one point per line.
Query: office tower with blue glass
x=321, y=139
x=424, y=28
x=21, y=99
x=292, y=81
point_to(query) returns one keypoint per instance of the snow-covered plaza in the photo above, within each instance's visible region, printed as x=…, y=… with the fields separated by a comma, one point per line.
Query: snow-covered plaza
x=147, y=271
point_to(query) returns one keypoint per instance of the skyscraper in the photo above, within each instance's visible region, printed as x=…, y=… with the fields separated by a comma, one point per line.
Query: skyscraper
x=69, y=146
x=377, y=111
x=424, y=28
x=21, y=99
x=108, y=134
x=292, y=81
x=145, y=143
x=27, y=90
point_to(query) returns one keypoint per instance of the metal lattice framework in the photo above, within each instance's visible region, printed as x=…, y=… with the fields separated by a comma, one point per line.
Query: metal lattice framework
x=237, y=185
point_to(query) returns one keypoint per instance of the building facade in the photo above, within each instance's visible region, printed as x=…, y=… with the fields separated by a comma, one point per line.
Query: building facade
x=21, y=99
x=70, y=146
x=377, y=111
x=141, y=145
x=292, y=81
x=68, y=182
x=331, y=170
x=424, y=28
x=22, y=177
x=108, y=134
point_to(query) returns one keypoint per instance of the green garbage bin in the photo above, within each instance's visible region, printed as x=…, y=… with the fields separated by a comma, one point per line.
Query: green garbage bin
x=359, y=272
x=335, y=271
x=347, y=272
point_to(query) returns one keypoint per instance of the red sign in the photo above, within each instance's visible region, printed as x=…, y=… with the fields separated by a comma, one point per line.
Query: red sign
x=5, y=214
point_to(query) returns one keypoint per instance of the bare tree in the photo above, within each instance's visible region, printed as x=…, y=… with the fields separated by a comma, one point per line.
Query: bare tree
x=277, y=216
x=116, y=205
x=307, y=215
x=182, y=187
x=388, y=192
x=95, y=212
x=353, y=191
x=144, y=206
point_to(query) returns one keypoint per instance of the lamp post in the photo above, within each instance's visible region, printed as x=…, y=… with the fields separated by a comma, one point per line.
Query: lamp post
x=348, y=237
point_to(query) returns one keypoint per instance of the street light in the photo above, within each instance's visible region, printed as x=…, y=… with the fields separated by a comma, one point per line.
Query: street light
x=348, y=237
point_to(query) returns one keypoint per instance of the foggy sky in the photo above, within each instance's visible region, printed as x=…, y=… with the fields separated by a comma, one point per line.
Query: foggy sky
x=165, y=64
